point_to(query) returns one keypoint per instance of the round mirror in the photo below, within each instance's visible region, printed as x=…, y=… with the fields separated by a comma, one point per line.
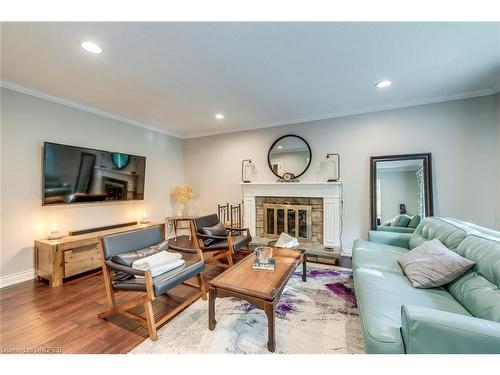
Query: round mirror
x=289, y=157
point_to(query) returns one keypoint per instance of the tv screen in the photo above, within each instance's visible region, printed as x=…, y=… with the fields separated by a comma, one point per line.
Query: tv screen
x=77, y=174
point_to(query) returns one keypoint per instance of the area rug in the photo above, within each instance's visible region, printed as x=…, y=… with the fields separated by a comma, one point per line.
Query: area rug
x=317, y=316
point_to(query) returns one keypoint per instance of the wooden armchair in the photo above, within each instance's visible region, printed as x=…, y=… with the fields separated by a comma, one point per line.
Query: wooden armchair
x=211, y=237
x=119, y=251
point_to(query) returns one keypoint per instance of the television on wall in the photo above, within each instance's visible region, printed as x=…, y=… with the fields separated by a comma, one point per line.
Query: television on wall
x=77, y=174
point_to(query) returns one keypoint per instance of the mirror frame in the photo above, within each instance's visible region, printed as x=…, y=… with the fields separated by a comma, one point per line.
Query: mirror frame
x=274, y=144
x=427, y=165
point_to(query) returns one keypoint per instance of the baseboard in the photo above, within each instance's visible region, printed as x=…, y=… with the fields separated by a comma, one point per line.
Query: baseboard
x=16, y=278
x=346, y=252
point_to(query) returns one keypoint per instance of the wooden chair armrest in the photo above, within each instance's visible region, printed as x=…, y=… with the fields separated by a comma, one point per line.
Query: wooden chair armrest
x=122, y=268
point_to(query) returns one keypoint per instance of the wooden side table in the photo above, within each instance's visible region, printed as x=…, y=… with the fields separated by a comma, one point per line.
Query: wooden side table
x=175, y=222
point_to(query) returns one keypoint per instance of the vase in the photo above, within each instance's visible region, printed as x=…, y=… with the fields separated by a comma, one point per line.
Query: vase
x=181, y=212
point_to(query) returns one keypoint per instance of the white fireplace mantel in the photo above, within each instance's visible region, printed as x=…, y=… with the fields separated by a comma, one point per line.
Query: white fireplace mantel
x=330, y=192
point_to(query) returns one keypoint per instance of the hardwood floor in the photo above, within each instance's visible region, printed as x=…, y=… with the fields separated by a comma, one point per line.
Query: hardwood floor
x=64, y=319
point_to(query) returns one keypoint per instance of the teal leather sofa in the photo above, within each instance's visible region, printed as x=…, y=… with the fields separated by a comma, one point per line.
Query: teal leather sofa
x=401, y=224
x=461, y=317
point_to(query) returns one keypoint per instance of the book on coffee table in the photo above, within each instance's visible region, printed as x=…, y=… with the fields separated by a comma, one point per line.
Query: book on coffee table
x=264, y=266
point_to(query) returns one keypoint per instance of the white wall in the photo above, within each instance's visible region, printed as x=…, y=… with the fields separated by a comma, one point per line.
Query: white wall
x=497, y=103
x=460, y=134
x=26, y=122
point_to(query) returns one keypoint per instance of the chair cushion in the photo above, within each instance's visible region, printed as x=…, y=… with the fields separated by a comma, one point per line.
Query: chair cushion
x=130, y=241
x=238, y=243
x=380, y=296
x=128, y=258
x=162, y=283
x=432, y=264
x=217, y=230
x=205, y=221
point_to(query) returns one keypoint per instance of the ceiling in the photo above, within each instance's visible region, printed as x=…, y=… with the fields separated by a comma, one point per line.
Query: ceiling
x=175, y=77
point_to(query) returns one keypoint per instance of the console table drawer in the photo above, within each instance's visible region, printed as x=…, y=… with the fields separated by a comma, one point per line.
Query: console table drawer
x=81, y=259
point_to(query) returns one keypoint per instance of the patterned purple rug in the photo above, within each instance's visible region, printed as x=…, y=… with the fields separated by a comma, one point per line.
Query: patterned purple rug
x=318, y=316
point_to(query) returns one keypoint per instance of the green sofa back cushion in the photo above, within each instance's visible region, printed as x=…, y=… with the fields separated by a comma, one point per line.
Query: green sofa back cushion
x=401, y=221
x=450, y=234
x=415, y=220
x=478, y=290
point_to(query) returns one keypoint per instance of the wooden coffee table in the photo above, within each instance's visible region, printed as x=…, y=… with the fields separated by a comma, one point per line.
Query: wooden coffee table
x=261, y=288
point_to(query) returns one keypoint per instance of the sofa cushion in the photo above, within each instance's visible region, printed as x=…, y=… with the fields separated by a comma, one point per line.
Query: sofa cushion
x=367, y=254
x=450, y=234
x=380, y=296
x=415, y=220
x=401, y=221
x=432, y=264
x=478, y=290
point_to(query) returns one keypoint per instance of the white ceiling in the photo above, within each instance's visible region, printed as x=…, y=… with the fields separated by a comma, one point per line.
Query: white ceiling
x=176, y=76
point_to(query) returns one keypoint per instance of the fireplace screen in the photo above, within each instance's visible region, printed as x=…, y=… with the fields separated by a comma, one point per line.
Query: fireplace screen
x=293, y=219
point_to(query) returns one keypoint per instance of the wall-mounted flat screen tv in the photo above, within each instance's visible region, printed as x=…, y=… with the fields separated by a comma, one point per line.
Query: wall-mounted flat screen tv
x=77, y=174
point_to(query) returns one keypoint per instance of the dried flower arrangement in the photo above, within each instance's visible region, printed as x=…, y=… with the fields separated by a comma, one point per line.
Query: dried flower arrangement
x=183, y=194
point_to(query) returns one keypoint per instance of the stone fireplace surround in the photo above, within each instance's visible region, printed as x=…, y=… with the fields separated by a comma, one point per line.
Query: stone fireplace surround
x=329, y=192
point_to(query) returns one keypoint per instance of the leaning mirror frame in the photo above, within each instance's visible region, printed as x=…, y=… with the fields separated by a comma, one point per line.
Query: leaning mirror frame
x=288, y=176
x=427, y=180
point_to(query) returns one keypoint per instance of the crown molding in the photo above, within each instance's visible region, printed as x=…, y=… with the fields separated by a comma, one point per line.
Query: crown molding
x=416, y=103
x=82, y=107
x=496, y=88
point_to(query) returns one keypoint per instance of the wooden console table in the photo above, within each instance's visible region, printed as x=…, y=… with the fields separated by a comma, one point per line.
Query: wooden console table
x=72, y=255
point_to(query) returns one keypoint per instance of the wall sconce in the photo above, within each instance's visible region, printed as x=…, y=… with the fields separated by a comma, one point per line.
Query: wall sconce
x=244, y=165
x=334, y=171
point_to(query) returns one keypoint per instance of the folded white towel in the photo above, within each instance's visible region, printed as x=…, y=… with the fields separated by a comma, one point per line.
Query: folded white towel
x=287, y=241
x=164, y=268
x=156, y=260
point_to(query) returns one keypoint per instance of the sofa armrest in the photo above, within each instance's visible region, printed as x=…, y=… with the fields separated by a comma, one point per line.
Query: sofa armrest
x=389, y=238
x=427, y=330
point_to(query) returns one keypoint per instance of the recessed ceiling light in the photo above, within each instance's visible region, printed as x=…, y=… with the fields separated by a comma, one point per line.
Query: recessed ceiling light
x=280, y=147
x=219, y=116
x=382, y=84
x=91, y=47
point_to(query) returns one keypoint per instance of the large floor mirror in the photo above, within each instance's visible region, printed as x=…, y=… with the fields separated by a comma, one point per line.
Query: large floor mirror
x=401, y=191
